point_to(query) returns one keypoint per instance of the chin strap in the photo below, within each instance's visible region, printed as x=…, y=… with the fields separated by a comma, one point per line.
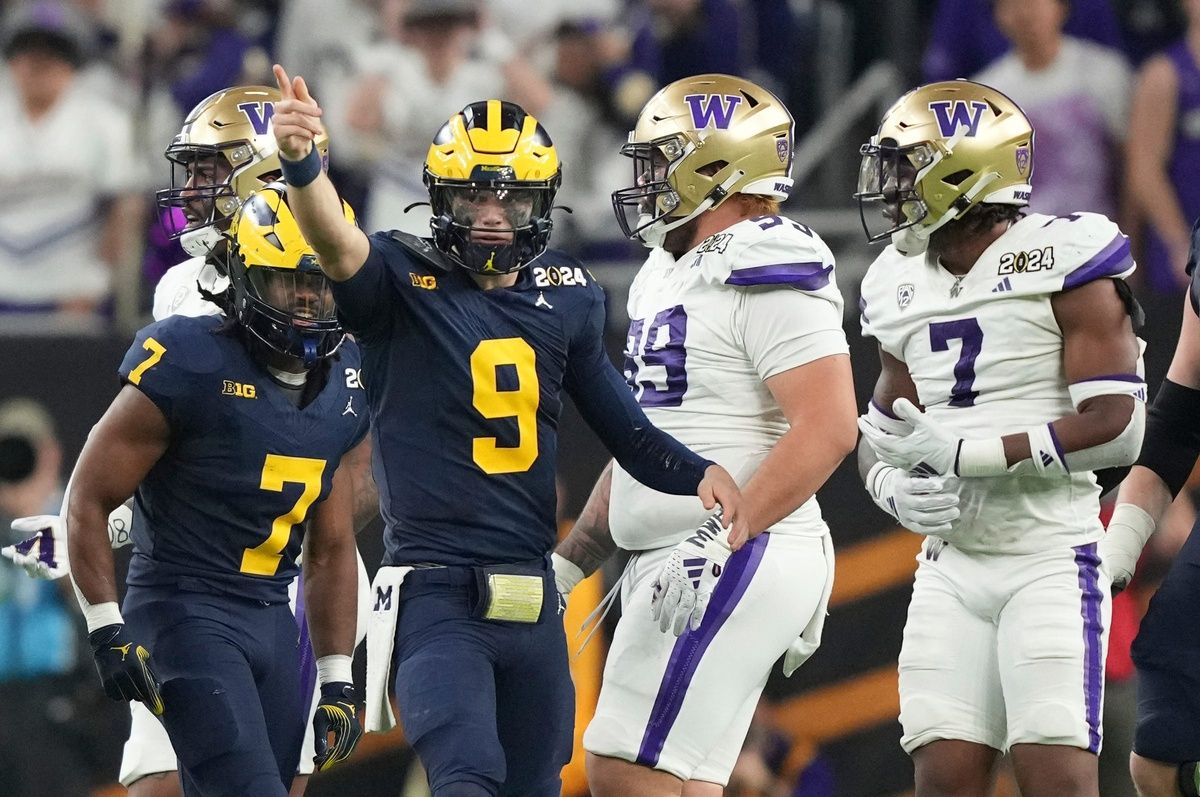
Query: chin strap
x=653, y=235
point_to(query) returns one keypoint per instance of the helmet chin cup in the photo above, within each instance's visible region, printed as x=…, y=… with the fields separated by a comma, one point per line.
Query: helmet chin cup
x=200, y=242
x=910, y=241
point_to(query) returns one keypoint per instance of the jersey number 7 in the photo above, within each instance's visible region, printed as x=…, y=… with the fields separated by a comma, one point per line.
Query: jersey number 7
x=278, y=470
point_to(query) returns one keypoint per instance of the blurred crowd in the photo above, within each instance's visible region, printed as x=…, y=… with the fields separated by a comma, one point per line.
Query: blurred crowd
x=96, y=89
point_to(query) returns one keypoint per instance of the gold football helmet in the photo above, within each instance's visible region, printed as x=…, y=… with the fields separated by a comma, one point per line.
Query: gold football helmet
x=940, y=150
x=492, y=154
x=224, y=152
x=697, y=142
x=279, y=293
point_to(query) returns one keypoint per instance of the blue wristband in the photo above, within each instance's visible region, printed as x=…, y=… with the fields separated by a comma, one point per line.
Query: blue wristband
x=302, y=172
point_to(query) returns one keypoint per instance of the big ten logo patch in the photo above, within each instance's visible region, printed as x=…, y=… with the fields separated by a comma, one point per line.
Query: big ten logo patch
x=426, y=281
x=554, y=276
x=1024, y=262
x=239, y=389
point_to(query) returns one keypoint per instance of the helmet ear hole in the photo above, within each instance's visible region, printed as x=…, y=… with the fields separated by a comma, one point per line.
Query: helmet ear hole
x=957, y=177
x=710, y=169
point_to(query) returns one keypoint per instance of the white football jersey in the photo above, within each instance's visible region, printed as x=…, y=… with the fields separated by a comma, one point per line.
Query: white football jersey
x=176, y=292
x=705, y=330
x=986, y=355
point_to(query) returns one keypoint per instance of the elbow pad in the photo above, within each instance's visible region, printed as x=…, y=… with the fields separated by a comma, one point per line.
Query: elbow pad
x=1123, y=449
x=1048, y=454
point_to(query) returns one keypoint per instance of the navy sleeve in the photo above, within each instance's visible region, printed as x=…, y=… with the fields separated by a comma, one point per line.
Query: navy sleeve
x=166, y=362
x=366, y=301
x=648, y=454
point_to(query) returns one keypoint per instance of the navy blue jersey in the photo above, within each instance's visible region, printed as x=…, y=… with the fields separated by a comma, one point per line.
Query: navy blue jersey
x=224, y=508
x=465, y=389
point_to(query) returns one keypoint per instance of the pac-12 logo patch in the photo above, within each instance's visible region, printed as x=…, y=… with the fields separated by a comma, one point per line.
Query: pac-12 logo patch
x=1023, y=156
x=904, y=294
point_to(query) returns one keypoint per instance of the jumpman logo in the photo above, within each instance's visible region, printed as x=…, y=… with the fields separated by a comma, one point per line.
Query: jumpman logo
x=350, y=407
x=541, y=301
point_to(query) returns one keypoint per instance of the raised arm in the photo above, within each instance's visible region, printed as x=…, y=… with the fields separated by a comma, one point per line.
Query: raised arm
x=341, y=247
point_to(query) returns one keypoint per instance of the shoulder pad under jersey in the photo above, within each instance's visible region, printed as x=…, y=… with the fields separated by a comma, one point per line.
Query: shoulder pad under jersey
x=765, y=252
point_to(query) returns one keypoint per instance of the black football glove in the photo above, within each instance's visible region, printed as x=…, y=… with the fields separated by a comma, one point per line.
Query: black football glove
x=337, y=713
x=124, y=667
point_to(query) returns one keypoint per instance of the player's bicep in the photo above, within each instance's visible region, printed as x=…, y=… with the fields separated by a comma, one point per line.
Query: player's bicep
x=121, y=449
x=1098, y=337
x=366, y=299
x=817, y=395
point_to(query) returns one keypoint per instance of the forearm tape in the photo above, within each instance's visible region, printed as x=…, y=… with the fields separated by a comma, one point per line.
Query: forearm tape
x=1172, y=439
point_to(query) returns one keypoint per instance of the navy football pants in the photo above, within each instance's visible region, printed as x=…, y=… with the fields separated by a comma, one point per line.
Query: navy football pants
x=489, y=707
x=230, y=677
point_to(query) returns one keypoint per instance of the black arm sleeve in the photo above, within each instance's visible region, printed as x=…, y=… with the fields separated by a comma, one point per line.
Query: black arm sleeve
x=1172, y=440
x=648, y=454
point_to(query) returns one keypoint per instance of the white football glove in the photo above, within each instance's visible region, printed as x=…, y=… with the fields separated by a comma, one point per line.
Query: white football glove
x=685, y=583
x=1121, y=546
x=922, y=504
x=44, y=553
x=567, y=576
x=929, y=450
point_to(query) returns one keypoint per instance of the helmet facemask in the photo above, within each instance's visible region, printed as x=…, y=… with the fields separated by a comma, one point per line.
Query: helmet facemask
x=651, y=198
x=197, y=207
x=491, y=226
x=889, y=199
x=280, y=295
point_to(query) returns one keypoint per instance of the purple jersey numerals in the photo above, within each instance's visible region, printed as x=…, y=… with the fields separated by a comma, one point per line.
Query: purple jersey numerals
x=655, y=358
x=963, y=394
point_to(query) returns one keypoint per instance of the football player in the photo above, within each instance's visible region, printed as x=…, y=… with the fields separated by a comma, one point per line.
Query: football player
x=223, y=153
x=1010, y=372
x=736, y=347
x=1166, y=748
x=469, y=340
x=229, y=433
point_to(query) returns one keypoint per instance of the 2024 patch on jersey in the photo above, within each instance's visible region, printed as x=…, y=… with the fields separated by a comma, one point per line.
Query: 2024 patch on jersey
x=706, y=330
x=985, y=352
x=225, y=506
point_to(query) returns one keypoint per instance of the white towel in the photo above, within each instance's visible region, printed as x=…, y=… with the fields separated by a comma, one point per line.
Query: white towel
x=381, y=640
x=810, y=638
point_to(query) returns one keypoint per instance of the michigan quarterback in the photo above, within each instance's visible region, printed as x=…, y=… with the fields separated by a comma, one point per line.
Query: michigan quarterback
x=469, y=340
x=736, y=347
x=222, y=154
x=1010, y=372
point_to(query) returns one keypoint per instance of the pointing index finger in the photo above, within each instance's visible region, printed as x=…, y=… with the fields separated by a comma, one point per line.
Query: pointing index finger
x=284, y=82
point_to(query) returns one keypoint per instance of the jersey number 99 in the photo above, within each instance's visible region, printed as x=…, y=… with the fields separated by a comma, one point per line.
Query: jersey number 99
x=492, y=403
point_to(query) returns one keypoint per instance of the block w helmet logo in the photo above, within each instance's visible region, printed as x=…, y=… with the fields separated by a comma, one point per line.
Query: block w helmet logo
x=941, y=150
x=697, y=142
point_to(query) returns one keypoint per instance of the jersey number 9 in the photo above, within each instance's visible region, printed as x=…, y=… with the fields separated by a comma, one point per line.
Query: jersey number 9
x=520, y=403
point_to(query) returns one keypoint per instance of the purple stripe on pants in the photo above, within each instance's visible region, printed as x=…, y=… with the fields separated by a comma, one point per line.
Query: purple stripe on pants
x=689, y=648
x=308, y=664
x=1090, y=600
